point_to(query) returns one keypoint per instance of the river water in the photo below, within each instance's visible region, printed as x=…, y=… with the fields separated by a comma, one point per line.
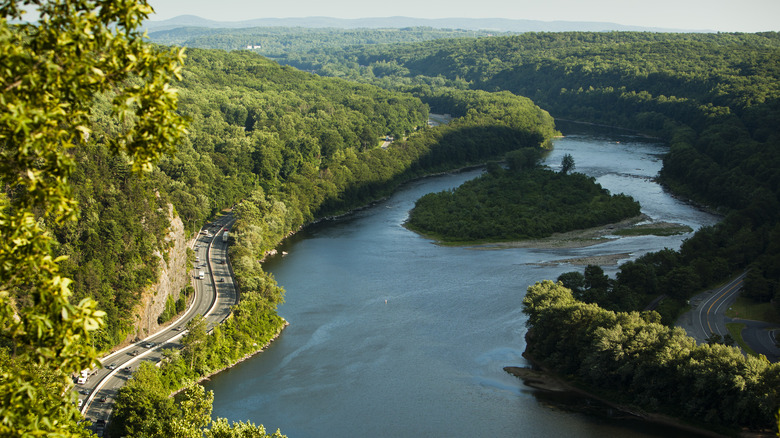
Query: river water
x=391, y=335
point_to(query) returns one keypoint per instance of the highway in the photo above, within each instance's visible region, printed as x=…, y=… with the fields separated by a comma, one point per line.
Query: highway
x=214, y=297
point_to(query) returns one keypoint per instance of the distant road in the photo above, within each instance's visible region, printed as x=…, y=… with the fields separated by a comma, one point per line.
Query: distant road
x=708, y=316
x=438, y=119
x=213, y=299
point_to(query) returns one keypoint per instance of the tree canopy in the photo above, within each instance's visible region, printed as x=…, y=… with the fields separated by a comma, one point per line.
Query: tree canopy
x=518, y=204
x=51, y=70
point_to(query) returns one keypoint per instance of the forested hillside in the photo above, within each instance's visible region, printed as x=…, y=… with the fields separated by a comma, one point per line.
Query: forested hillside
x=714, y=97
x=306, y=146
x=273, y=42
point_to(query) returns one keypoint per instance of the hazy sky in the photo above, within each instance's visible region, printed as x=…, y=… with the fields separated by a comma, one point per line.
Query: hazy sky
x=717, y=15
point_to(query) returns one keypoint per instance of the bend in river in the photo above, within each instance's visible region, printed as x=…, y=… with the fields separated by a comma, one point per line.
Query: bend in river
x=392, y=335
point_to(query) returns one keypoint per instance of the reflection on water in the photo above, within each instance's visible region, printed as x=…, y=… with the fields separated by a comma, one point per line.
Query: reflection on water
x=392, y=335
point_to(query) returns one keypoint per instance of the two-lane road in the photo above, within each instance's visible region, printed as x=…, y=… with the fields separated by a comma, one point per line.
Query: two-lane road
x=711, y=313
x=214, y=297
x=708, y=317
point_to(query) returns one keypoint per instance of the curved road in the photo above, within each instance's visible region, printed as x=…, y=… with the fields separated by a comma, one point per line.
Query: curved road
x=215, y=295
x=708, y=316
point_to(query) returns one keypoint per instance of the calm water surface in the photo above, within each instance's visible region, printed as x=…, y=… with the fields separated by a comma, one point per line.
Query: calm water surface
x=391, y=335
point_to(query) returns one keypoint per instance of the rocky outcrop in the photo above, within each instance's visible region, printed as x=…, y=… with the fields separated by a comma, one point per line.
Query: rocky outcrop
x=173, y=278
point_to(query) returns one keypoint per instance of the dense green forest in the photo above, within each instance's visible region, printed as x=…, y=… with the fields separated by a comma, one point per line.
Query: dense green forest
x=714, y=97
x=308, y=146
x=522, y=202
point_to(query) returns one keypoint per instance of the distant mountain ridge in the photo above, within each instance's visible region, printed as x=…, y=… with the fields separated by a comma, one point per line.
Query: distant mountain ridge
x=497, y=24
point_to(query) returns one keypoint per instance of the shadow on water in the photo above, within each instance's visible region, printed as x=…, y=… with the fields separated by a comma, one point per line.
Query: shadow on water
x=602, y=413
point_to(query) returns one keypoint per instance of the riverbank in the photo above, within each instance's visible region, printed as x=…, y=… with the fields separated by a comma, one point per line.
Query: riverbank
x=541, y=378
x=546, y=381
x=245, y=357
x=634, y=226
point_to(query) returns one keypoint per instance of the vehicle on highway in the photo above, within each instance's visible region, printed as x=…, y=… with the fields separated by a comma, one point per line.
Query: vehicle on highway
x=149, y=345
x=112, y=366
x=221, y=280
x=133, y=353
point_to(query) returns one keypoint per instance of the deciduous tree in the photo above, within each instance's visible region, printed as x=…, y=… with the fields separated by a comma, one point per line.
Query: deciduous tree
x=50, y=71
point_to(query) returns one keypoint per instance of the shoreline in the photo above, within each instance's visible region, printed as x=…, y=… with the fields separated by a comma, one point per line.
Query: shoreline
x=583, y=237
x=540, y=378
x=242, y=359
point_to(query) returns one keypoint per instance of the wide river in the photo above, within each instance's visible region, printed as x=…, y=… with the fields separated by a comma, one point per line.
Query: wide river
x=392, y=335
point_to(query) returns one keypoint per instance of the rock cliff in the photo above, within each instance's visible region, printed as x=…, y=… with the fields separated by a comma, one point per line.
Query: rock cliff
x=173, y=278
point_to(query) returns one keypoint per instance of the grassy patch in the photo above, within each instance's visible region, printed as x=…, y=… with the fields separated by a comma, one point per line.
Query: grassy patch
x=735, y=330
x=746, y=308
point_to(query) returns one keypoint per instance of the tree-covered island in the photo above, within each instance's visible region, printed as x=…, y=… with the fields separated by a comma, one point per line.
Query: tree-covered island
x=525, y=201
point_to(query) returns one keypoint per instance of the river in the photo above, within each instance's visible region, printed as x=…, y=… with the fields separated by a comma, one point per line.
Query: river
x=391, y=335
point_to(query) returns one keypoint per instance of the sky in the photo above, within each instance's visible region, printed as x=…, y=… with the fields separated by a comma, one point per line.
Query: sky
x=713, y=15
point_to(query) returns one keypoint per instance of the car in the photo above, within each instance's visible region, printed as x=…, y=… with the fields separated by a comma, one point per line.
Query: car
x=84, y=391
x=102, y=399
x=149, y=345
x=221, y=280
x=133, y=353
x=112, y=366
x=177, y=329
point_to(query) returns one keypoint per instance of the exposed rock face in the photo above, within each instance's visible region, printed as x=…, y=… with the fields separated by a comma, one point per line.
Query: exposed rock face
x=173, y=278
